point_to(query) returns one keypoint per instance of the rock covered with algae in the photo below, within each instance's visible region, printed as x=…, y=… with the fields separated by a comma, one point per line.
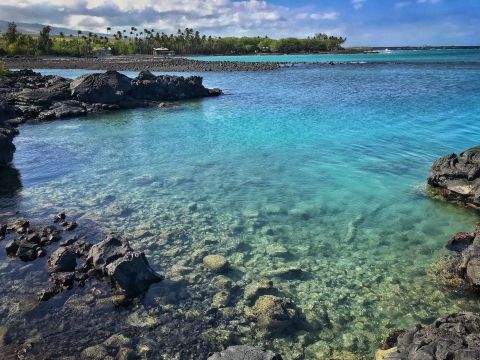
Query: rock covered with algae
x=216, y=263
x=273, y=314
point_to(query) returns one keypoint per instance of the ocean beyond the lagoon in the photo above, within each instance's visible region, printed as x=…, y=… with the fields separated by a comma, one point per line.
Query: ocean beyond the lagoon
x=310, y=176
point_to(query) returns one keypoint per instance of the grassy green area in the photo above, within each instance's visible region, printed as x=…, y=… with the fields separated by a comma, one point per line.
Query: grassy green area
x=136, y=41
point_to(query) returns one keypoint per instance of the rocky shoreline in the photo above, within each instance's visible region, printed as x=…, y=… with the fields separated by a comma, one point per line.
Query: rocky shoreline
x=76, y=260
x=116, y=273
x=29, y=96
x=136, y=63
x=454, y=178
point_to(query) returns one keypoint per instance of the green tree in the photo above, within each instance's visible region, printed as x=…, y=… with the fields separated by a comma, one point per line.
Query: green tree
x=11, y=35
x=44, y=40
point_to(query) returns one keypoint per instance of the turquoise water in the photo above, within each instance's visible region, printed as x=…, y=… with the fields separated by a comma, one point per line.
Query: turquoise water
x=319, y=169
x=464, y=55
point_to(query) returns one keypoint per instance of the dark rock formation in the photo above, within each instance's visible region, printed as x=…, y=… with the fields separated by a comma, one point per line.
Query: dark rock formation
x=29, y=96
x=24, y=249
x=128, y=270
x=10, y=182
x=466, y=263
x=455, y=337
x=460, y=241
x=457, y=177
x=62, y=267
x=244, y=352
x=112, y=259
x=7, y=148
x=76, y=259
x=64, y=259
x=32, y=241
x=107, y=88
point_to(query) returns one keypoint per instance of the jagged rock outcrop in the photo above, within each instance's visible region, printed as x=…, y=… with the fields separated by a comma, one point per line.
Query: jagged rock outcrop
x=75, y=260
x=31, y=242
x=107, y=88
x=112, y=258
x=128, y=270
x=454, y=337
x=244, y=352
x=29, y=96
x=467, y=247
x=457, y=177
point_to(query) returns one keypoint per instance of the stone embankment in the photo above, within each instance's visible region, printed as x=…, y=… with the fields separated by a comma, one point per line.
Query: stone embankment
x=137, y=63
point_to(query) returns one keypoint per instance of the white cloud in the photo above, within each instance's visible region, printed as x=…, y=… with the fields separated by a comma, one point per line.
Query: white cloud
x=225, y=17
x=332, y=15
x=402, y=4
x=358, y=4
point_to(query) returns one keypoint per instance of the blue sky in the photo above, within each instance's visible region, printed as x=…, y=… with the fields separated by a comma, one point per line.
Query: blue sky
x=363, y=22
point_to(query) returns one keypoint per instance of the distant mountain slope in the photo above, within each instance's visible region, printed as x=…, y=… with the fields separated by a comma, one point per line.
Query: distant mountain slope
x=27, y=28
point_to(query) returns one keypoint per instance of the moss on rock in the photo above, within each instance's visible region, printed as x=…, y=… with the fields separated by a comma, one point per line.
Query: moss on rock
x=216, y=263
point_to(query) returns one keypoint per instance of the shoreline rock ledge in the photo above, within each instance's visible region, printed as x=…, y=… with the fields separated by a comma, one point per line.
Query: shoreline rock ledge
x=29, y=96
x=456, y=336
x=456, y=178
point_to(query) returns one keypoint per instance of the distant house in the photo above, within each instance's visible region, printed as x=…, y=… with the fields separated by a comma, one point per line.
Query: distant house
x=163, y=51
x=102, y=52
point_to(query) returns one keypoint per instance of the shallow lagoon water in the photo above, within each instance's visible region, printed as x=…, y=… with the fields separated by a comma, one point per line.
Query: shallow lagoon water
x=422, y=56
x=319, y=169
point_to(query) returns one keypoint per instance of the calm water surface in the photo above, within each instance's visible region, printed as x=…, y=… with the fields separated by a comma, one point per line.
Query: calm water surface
x=321, y=169
x=449, y=55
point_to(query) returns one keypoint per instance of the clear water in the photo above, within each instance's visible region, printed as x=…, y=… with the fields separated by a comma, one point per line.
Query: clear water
x=465, y=55
x=321, y=169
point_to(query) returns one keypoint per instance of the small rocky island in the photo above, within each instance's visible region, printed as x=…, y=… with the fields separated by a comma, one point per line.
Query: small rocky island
x=457, y=177
x=29, y=96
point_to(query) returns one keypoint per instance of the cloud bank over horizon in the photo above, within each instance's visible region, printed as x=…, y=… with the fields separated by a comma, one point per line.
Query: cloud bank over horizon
x=363, y=22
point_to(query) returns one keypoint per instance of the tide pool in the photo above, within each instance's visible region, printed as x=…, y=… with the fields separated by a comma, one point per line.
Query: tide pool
x=312, y=170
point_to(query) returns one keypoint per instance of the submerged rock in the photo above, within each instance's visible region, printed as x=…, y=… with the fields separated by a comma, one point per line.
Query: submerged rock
x=216, y=263
x=384, y=354
x=96, y=352
x=457, y=177
x=244, y=352
x=456, y=336
x=255, y=290
x=273, y=314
